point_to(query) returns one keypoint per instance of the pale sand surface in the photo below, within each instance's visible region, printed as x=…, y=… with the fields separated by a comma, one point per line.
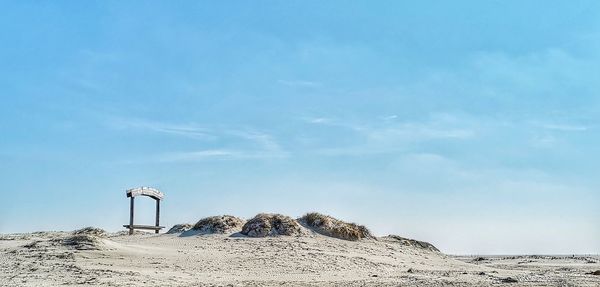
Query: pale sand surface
x=42, y=259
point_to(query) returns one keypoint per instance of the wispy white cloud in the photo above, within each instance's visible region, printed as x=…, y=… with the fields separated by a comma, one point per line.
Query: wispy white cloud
x=334, y=122
x=355, y=150
x=194, y=155
x=392, y=135
x=551, y=135
x=419, y=132
x=318, y=120
x=215, y=154
x=264, y=140
x=565, y=127
x=232, y=143
x=438, y=127
x=188, y=130
x=543, y=141
x=388, y=118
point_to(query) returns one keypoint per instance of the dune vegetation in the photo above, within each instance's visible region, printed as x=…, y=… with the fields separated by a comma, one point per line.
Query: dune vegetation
x=266, y=224
x=179, y=228
x=219, y=224
x=330, y=226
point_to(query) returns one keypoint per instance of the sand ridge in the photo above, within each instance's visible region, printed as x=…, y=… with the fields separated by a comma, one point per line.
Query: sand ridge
x=222, y=260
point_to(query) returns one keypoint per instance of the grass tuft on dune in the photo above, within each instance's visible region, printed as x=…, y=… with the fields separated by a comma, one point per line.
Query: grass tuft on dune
x=219, y=224
x=88, y=238
x=179, y=228
x=266, y=224
x=93, y=231
x=83, y=242
x=329, y=226
x=415, y=243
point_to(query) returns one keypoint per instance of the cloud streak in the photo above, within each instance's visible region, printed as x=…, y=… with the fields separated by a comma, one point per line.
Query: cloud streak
x=188, y=130
x=565, y=128
x=215, y=154
x=387, y=135
x=231, y=143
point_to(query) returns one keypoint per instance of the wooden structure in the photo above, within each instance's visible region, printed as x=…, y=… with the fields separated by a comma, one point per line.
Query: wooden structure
x=144, y=191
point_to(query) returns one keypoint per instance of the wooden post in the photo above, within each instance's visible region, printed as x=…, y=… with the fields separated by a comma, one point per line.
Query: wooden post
x=157, y=215
x=131, y=217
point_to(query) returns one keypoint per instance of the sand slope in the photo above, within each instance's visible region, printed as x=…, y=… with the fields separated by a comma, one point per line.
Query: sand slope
x=43, y=259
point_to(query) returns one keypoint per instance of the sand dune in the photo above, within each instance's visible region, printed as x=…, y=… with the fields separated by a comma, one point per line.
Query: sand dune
x=308, y=258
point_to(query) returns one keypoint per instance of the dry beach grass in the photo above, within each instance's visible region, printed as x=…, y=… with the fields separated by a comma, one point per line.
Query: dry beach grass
x=333, y=227
x=265, y=224
x=179, y=228
x=219, y=224
x=88, y=238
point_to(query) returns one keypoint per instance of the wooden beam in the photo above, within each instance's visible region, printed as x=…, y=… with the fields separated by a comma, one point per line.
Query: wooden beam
x=149, y=227
x=157, y=214
x=146, y=191
x=131, y=217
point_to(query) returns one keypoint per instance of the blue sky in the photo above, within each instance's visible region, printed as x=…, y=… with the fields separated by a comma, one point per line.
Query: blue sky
x=470, y=124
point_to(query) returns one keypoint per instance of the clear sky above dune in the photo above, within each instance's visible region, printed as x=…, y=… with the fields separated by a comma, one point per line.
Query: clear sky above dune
x=470, y=124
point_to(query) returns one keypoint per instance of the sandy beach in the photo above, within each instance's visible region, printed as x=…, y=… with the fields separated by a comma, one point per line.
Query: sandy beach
x=92, y=258
x=432, y=143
